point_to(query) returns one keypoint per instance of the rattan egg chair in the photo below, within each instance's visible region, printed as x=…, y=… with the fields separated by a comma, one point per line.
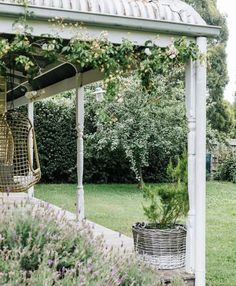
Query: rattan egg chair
x=18, y=171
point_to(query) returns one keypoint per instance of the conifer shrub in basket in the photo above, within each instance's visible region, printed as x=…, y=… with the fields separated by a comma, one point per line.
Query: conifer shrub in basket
x=162, y=239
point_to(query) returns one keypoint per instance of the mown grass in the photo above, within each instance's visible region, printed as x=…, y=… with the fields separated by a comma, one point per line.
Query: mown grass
x=118, y=206
x=221, y=234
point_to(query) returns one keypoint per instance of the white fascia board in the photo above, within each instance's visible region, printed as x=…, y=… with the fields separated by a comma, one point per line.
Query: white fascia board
x=107, y=22
x=114, y=35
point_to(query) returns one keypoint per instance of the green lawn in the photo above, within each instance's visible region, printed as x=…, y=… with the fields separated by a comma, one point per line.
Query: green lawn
x=221, y=234
x=114, y=206
x=119, y=206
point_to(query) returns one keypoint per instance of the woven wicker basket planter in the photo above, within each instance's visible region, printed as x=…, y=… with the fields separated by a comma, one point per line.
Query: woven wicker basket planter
x=164, y=248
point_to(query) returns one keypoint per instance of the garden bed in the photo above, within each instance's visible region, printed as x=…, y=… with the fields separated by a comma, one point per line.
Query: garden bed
x=38, y=246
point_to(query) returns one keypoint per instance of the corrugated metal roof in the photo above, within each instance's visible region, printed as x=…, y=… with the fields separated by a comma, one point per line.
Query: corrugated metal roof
x=165, y=10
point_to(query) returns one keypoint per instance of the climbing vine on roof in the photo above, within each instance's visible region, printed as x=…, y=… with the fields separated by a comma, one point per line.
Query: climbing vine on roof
x=23, y=50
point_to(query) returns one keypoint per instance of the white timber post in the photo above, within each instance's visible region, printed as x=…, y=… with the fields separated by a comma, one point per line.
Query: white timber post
x=31, y=144
x=80, y=150
x=200, y=198
x=190, y=85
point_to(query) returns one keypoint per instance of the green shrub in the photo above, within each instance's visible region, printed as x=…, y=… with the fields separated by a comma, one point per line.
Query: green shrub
x=226, y=171
x=56, y=139
x=169, y=203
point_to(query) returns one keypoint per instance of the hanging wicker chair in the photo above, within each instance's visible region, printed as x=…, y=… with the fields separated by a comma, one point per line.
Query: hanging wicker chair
x=18, y=171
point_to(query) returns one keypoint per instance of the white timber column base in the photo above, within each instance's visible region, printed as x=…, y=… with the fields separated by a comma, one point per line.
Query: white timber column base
x=190, y=91
x=200, y=194
x=31, y=192
x=31, y=143
x=190, y=250
x=80, y=213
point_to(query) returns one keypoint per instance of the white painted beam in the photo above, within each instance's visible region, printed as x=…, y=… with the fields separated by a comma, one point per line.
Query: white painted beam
x=80, y=213
x=200, y=199
x=19, y=102
x=114, y=35
x=62, y=86
x=190, y=84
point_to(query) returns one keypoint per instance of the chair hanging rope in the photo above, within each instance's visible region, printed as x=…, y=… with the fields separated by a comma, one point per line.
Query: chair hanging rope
x=18, y=171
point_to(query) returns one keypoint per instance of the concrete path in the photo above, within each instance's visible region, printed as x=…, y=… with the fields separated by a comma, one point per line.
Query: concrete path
x=112, y=238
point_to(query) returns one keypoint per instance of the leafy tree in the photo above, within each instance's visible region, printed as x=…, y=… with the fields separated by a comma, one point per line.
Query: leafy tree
x=222, y=114
x=142, y=124
x=218, y=113
x=234, y=113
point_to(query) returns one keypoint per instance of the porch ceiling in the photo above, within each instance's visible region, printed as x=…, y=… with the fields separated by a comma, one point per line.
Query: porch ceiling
x=52, y=74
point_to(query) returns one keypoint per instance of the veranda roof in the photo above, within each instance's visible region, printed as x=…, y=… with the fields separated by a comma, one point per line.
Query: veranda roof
x=155, y=15
x=137, y=20
x=167, y=10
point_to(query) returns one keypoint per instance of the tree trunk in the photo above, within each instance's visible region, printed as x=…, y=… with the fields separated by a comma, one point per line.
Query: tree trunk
x=141, y=182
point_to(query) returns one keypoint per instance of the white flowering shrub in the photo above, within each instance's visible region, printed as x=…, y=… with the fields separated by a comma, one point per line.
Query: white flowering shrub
x=149, y=128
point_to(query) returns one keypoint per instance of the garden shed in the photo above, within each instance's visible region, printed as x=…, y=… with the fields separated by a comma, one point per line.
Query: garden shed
x=139, y=21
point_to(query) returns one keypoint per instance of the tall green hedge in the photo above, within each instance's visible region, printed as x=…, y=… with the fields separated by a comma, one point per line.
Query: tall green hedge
x=56, y=139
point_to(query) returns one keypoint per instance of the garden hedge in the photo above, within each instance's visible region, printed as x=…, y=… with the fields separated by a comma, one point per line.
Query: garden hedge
x=56, y=138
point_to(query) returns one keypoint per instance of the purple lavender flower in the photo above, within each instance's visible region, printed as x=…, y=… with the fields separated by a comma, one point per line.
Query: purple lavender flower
x=50, y=262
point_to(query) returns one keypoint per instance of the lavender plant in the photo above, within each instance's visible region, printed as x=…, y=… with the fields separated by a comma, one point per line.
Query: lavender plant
x=39, y=247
